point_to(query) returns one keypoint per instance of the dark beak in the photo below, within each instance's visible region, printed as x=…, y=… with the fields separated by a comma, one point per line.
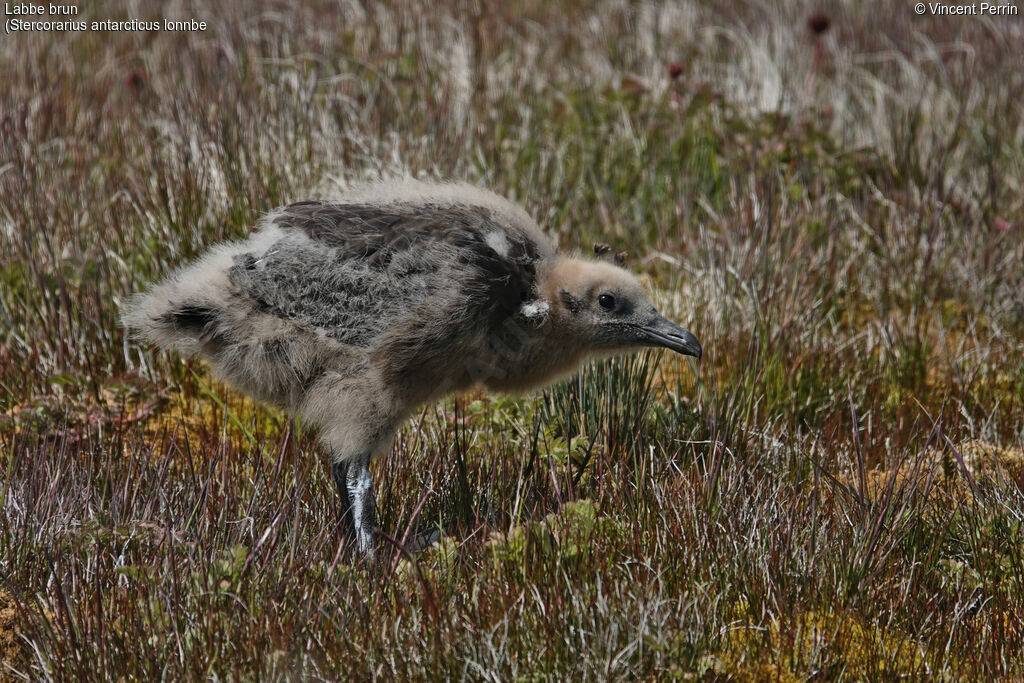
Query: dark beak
x=661, y=332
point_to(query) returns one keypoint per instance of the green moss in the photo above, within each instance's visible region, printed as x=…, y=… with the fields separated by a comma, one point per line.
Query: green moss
x=569, y=536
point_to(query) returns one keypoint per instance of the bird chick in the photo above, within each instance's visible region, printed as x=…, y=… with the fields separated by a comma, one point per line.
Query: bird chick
x=355, y=311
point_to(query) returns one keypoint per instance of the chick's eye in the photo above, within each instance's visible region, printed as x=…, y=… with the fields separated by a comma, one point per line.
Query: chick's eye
x=606, y=301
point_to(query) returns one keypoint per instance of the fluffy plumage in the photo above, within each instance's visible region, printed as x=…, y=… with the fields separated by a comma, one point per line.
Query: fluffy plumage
x=352, y=312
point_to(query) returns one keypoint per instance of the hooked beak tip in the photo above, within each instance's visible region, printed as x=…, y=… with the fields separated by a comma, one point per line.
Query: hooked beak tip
x=693, y=348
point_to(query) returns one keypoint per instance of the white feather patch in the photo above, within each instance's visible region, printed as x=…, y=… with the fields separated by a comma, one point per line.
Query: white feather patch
x=534, y=310
x=498, y=242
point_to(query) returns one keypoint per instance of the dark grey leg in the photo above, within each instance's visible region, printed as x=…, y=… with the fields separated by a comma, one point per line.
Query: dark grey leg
x=340, y=471
x=360, y=492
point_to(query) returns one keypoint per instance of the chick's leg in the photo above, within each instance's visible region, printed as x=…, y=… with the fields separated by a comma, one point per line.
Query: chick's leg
x=358, y=420
x=355, y=488
x=339, y=468
x=360, y=491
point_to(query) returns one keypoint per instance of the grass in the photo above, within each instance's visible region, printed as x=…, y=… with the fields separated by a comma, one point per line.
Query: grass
x=833, y=493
